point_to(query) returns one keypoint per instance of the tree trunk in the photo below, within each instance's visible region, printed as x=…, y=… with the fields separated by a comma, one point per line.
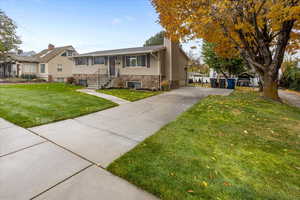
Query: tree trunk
x=260, y=87
x=270, y=87
x=260, y=84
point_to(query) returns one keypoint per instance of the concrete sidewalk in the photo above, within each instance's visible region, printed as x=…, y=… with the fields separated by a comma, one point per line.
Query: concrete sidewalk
x=67, y=159
x=31, y=167
x=104, y=96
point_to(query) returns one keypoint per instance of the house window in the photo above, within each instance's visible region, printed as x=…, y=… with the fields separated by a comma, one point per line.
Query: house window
x=30, y=68
x=59, y=68
x=82, y=82
x=60, y=80
x=134, y=84
x=99, y=60
x=81, y=61
x=68, y=53
x=42, y=68
x=136, y=61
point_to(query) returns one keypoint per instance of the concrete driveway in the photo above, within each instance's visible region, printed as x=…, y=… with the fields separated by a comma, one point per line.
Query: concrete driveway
x=292, y=98
x=67, y=159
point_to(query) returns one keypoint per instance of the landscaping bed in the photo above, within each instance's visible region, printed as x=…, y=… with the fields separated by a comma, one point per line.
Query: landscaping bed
x=29, y=105
x=129, y=94
x=236, y=147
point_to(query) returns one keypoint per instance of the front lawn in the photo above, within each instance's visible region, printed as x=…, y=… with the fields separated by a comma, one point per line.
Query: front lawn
x=30, y=105
x=235, y=147
x=128, y=94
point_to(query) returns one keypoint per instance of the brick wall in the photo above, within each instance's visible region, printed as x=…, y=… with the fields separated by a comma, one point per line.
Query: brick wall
x=148, y=81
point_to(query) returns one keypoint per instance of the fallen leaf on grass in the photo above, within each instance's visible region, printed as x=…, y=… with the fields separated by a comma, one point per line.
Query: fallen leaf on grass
x=226, y=183
x=205, y=184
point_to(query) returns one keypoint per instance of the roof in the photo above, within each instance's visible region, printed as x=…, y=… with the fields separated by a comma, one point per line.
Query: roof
x=136, y=50
x=43, y=57
x=31, y=59
x=46, y=55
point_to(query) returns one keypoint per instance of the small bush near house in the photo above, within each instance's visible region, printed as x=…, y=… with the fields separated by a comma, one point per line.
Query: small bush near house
x=38, y=80
x=70, y=80
x=28, y=76
x=165, y=85
x=120, y=84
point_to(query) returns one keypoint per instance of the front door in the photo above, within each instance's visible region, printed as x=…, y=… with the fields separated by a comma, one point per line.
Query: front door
x=112, y=66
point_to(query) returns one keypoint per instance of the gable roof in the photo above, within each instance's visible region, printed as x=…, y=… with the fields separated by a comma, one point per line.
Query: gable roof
x=43, y=57
x=46, y=55
x=135, y=50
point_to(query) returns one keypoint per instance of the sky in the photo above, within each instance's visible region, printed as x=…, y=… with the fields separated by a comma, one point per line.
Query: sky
x=88, y=25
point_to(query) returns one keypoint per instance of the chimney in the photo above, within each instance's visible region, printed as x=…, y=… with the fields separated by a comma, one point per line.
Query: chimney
x=51, y=47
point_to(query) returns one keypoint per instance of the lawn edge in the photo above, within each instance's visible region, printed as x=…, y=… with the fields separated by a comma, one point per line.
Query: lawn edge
x=159, y=92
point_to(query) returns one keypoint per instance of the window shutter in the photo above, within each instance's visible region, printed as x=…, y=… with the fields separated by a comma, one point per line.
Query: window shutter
x=123, y=61
x=106, y=60
x=148, y=60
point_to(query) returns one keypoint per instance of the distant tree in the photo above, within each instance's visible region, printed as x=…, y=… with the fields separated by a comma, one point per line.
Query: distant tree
x=291, y=75
x=157, y=39
x=223, y=65
x=9, y=39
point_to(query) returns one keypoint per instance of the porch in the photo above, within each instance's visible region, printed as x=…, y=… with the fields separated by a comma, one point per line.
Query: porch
x=7, y=70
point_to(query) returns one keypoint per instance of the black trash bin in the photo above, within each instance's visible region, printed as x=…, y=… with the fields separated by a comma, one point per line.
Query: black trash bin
x=213, y=83
x=222, y=83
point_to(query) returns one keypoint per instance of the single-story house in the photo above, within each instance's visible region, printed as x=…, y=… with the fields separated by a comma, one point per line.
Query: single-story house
x=51, y=64
x=141, y=67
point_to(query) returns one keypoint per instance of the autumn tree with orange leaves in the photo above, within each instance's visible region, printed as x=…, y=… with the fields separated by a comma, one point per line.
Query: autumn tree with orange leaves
x=260, y=31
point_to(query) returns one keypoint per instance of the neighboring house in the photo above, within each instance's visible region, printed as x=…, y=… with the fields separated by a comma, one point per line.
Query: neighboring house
x=141, y=67
x=51, y=64
x=14, y=64
x=198, y=77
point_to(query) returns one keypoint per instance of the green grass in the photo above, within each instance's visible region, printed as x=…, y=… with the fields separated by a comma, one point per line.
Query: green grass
x=235, y=147
x=36, y=104
x=129, y=95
